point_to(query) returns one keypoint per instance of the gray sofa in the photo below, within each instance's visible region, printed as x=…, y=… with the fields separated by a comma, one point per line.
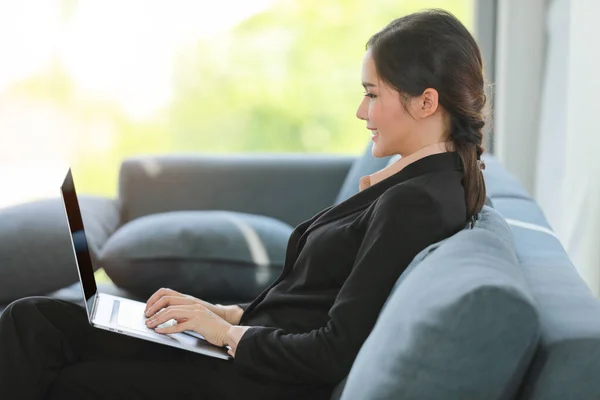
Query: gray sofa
x=495, y=312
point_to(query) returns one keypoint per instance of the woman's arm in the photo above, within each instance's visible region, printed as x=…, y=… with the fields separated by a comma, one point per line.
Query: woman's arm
x=231, y=314
x=405, y=221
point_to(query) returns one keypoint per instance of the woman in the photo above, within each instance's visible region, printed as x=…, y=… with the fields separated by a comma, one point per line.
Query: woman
x=424, y=98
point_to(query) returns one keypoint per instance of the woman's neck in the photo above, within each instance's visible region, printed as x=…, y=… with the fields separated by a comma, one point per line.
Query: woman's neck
x=397, y=166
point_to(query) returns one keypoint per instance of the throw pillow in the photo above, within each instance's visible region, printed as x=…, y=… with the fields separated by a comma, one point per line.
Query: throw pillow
x=36, y=256
x=213, y=255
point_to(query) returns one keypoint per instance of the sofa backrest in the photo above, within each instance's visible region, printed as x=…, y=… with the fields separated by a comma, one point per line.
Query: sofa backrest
x=289, y=187
x=567, y=361
x=459, y=324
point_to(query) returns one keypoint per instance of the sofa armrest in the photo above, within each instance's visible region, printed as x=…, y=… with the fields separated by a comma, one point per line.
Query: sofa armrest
x=36, y=255
x=289, y=187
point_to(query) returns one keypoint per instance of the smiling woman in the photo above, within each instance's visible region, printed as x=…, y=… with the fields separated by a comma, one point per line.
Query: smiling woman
x=299, y=338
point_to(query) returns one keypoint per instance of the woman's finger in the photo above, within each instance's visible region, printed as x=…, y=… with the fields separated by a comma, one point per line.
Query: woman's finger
x=167, y=301
x=173, y=312
x=175, y=328
x=158, y=294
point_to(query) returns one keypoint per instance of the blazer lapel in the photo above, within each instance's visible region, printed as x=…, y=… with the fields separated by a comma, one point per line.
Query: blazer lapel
x=346, y=207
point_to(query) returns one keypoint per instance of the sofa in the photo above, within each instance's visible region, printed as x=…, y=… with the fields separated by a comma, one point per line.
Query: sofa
x=496, y=311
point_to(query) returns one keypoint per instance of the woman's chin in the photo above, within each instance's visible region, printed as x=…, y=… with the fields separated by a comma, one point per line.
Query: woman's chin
x=378, y=151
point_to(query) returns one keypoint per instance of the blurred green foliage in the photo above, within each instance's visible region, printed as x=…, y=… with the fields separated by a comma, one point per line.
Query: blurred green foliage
x=285, y=80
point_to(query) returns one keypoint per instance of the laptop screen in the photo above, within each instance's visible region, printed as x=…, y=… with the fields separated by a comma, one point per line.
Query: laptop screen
x=79, y=241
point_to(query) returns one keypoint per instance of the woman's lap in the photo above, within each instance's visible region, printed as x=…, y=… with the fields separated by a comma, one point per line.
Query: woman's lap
x=132, y=380
x=50, y=341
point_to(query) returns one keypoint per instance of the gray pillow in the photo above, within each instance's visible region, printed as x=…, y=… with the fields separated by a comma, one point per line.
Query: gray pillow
x=36, y=255
x=215, y=255
x=460, y=324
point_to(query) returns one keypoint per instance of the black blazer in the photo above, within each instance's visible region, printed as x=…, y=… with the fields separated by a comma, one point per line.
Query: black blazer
x=340, y=267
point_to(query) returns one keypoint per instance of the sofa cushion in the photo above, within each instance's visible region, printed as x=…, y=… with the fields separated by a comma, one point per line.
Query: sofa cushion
x=522, y=212
x=567, y=362
x=459, y=324
x=499, y=182
x=215, y=255
x=36, y=255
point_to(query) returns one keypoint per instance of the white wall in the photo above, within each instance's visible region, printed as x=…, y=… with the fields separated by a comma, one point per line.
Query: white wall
x=520, y=49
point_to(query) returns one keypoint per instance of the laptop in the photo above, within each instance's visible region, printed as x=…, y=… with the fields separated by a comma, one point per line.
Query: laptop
x=118, y=314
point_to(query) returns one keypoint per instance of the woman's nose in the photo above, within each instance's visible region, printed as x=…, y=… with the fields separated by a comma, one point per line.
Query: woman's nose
x=361, y=112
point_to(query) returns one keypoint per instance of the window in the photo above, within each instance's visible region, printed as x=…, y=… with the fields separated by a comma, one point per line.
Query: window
x=90, y=82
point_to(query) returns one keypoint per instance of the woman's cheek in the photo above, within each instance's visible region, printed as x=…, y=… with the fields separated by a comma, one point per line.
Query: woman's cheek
x=373, y=115
x=372, y=112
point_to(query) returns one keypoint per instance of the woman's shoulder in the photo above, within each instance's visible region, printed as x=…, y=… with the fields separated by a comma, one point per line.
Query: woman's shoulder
x=432, y=186
x=414, y=190
x=404, y=201
x=437, y=196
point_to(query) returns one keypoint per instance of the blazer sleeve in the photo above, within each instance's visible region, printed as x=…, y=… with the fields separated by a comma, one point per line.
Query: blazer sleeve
x=404, y=222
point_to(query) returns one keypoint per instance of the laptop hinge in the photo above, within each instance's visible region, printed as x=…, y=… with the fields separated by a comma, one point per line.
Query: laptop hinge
x=94, y=307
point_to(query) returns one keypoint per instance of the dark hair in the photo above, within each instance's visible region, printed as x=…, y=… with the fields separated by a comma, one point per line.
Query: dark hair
x=433, y=49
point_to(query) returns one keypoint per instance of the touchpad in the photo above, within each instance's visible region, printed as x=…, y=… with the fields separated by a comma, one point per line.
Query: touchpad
x=131, y=315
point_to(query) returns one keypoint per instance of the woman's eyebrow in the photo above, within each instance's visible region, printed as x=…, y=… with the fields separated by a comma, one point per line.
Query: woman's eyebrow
x=367, y=84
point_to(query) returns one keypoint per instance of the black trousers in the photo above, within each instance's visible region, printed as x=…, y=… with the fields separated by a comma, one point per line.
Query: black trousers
x=49, y=350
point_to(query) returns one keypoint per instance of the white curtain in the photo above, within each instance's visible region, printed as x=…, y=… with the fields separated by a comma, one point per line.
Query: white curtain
x=567, y=180
x=553, y=117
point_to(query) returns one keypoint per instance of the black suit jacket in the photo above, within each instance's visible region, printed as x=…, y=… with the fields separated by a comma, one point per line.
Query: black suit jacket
x=308, y=326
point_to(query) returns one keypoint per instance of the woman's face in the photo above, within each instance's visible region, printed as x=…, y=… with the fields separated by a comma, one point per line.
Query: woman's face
x=386, y=118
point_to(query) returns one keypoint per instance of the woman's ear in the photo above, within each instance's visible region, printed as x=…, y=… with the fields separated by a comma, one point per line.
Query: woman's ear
x=427, y=103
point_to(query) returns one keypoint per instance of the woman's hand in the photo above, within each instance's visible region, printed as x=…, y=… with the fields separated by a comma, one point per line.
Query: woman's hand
x=192, y=317
x=167, y=297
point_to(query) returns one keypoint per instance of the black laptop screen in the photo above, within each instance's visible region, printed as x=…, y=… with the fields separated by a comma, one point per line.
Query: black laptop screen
x=80, y=245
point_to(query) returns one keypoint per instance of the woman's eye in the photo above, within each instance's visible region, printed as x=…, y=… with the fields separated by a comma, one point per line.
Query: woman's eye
x=371, y=95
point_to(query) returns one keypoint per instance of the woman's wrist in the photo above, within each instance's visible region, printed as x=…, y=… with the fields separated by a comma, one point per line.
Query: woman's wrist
x=233, y=337
x=237, y=313
x=231, y=314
